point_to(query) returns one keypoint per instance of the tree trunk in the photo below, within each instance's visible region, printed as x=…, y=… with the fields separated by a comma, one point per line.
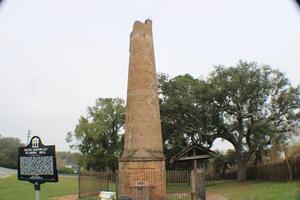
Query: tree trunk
x=288, y=165
x=241, y=173
x=290, y=170
x=242, y=167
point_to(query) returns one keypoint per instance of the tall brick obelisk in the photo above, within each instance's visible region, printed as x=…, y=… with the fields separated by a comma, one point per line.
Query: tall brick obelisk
x=142, y=164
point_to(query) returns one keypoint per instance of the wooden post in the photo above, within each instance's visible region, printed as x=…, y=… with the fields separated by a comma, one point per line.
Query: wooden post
x=197, y=174
x=201, y=188
x=194, y=178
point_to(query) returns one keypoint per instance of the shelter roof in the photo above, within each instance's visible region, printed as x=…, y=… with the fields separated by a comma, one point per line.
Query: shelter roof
x=193, y=152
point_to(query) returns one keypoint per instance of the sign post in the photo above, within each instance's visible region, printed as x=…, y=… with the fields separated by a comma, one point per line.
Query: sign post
x=37, y=164
x=37, y=188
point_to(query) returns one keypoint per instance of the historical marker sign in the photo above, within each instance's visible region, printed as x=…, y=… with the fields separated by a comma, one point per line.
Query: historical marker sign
x=37, y=162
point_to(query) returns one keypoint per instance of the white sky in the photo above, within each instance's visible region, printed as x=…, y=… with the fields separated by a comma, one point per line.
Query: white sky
x=57, y=57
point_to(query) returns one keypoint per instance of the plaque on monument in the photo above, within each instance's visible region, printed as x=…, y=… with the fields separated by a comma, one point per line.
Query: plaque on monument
x=37, y=162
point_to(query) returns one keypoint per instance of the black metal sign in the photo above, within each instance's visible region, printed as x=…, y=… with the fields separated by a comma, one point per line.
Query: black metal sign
x=37, y=162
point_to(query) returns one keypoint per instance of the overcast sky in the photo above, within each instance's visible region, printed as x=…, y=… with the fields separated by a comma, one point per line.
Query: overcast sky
x=58, y=56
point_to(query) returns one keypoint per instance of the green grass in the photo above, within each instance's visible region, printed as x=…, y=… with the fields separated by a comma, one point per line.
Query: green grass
x=12, y=189
x=257, y=190
x=251, y=190
x=178, y=188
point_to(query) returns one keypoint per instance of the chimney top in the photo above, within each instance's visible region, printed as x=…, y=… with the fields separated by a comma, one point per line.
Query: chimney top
x=148, y=21
x=140, y=28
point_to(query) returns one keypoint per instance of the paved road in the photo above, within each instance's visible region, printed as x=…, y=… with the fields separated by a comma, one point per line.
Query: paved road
x=4, y=172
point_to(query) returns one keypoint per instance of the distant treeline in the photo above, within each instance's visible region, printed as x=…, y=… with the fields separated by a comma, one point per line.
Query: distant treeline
x=66, y=161
x=9, y=151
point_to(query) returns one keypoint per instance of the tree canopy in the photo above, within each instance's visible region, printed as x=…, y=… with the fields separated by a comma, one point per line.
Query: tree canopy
x=250, y=106
x=9, y=151
x=254, y=107
x=99, y=134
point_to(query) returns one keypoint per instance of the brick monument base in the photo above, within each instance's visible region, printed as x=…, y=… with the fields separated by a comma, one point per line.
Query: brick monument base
x=142, y=180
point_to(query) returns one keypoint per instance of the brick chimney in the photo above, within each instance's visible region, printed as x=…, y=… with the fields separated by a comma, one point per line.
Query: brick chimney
x=142, y=164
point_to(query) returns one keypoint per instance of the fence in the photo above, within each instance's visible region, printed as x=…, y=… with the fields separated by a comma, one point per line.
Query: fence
x=90, y=183
x=282, y=171
x=178, y=185
x=141, y=184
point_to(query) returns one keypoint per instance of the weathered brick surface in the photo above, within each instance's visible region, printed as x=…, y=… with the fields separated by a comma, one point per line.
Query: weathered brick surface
x=142, y=180
x=143, y=137
x=142, y=164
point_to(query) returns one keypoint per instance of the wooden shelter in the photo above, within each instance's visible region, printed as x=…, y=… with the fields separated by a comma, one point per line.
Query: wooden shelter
x=195, y=154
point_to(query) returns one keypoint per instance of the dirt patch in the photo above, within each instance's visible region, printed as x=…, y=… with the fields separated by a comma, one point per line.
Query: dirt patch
x=212, y=196
x=178, y=196
x=67, y=197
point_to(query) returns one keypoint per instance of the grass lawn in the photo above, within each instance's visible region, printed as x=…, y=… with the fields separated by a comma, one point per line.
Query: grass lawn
x=12, y=189
x=257, y=190
x=177, y=187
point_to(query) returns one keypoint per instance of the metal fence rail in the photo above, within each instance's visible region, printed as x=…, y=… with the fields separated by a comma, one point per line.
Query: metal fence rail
x=178, y=184
x=91, y=183
x=140, y=184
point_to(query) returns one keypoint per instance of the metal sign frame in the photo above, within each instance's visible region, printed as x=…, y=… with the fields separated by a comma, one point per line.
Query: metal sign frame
x=37, y=162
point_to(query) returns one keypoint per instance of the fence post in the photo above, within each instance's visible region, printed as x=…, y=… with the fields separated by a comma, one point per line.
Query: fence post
x=78, y=182
x=117, y=186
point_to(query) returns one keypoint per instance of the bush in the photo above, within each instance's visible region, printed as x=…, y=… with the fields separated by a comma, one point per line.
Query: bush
x=65, y=170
